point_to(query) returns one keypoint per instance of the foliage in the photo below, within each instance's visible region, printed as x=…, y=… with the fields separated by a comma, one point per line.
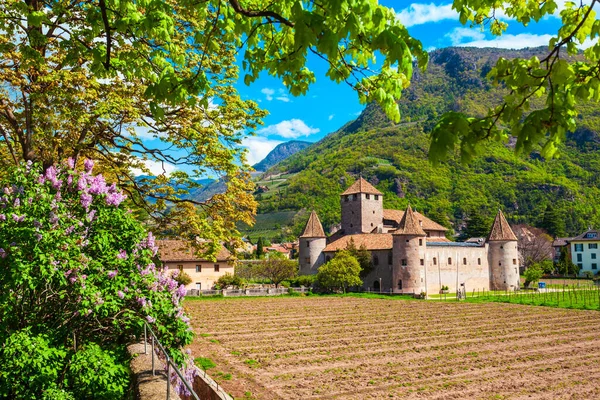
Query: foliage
x=303, y=280
x=535, y=245
x=553, y=221
x=277, y=269
x=533, y=274
x=521, y=185
x=260, y=253
x=540, y=95
x=204, y=363
x=565, y=265
x=78, y=271
x=588, y=274
x=182, y=278
x=547, y=266
x=362, y=255
x=227, y=280
x=340, y=273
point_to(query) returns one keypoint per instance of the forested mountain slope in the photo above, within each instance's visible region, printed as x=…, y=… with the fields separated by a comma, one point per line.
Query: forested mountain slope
x=394, y=158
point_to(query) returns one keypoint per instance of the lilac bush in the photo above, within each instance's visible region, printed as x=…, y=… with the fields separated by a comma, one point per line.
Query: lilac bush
x=76, y=265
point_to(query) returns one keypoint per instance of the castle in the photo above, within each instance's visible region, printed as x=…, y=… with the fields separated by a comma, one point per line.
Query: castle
x=410, y=253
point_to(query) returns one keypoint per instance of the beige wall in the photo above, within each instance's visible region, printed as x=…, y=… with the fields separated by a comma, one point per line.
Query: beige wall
x=473, y=274
x=207, y=277
x=310, y=255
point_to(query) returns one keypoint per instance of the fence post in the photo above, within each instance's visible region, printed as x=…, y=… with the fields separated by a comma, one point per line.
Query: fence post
x=145, y=339
x=168, y=379
x=153, y=373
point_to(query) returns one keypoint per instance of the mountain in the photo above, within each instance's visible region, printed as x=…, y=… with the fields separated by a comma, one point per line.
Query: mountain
x=393, y=157
x=280, y=153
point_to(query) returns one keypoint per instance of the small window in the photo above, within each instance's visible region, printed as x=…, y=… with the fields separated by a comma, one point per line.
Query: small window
x=479, y=261
x=351, y=225
x=420, y=242
x=502, y=248
x=198, y=286
x=354, y=196
x=434, y=261
x=198, y=268
x=580, y=266
x=390, y=257
x=422, y=261
x=578, y=246
x=373, y=211
x=514, y=261
x=449, y=260
x=307, y=260
x=591, y=235
x=500, y=264
x=308, y=243
x=594, y=266
x=593, y=256
x=376, y=197
x=371, y=224
x=400, y=284
x=404, y=261
x=375, y=260
x=592, y=245
x=216, y=267
x=579, y=257
x=407, y=240
x=367, y=196
x=464, y=261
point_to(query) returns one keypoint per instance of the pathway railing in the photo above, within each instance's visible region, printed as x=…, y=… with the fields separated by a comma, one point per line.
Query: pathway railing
x=169, y=362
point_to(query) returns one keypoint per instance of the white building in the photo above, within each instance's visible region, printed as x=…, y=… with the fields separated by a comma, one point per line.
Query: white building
x=584, y=251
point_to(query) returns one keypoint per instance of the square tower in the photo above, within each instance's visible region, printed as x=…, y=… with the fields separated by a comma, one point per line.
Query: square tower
x=362, y=208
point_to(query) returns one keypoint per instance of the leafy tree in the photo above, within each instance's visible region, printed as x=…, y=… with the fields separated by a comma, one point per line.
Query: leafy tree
x=182, y=278
x=478, y=225
x=533, y=274
x=553, y=221
x=260, y=253
x=78, y=280
x=277, y=269
x=362, y=255
x=547, y=266
x=340, y=273
x=230, y=280
x=565, y=265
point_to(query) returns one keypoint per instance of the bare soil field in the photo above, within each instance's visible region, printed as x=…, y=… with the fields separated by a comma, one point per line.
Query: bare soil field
x=356, y=348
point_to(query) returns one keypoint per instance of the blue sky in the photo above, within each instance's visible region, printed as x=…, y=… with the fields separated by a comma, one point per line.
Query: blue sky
x=327, y=106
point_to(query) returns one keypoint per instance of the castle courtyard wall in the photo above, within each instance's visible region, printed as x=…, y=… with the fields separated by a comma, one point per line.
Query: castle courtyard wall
x=469, y=263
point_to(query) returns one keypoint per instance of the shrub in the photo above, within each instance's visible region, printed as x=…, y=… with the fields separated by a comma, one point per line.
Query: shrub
x=182, y=278
x=533, y=274
x=303, y=280
x=77, y=264
x=340, y=273
x=229, y=280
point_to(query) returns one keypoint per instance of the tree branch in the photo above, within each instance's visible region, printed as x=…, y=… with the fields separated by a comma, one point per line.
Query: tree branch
x=253, y=13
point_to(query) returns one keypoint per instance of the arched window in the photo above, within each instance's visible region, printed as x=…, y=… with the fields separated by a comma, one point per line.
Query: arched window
x=434, y=261
x=400, y=284
x=465, y=261
x=449, y=260
x=376, y=286
x=479, y=261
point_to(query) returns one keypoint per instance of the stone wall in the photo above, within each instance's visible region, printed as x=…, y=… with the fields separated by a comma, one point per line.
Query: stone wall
x=311, y=255
x=445, y=264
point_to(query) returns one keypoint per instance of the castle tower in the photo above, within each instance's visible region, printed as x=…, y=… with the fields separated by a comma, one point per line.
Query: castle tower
x=312, y=243
x=408, y=255
x=362, y=208
x=503, y=256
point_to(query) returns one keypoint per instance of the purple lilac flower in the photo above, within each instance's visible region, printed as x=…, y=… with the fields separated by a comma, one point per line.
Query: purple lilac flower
x=69, y=230
x=185, y=319
x=98, y=185
x=150, y=319
x=126, y=289
x=53, y=217
x=71, y=162
x=56, y=184
x=7, y=190
x=88, y=312
x=41, y=179
x=2, y=217
x=17, y=202
x=99, y=301
x=112, y=274
x=67, y=273
x=18, y=218
x=30, y=201
x=38, y=236
x=58, y=196
x=120, y=294
x=88, y=165
x=84, y=277
x=181, y=291
x=141, y=301
x=91, y=215
x=2, y=253
x=122, y=254
x=114, y=199
x=70, y=180
x=86, y=200
x=82, y=182
x=72, y=279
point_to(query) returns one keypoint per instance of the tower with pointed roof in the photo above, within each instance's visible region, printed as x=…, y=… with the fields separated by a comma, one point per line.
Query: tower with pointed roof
x=503, y=255
x=362, y=208
x=408, y=255
x=312, y=242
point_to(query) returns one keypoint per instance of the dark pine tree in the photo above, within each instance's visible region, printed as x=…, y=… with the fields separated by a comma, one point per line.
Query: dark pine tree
x=553, y=221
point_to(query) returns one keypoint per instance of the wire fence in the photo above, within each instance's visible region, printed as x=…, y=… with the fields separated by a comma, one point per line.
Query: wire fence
x=248, y=292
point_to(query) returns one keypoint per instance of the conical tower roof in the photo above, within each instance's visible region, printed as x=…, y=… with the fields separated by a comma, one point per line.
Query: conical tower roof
x=409, y=224
x=501, y=230
x=313, y=228
x=361, y=186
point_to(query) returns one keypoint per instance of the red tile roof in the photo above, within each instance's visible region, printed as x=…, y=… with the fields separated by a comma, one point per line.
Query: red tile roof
x=372, y=241
x=501, y=230
x=409, y=224
x=427, y=224
x=361, y=186
x=182, y=250
x=313, y=228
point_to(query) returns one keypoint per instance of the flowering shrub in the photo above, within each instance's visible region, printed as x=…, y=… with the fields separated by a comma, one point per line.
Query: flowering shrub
x=77, y=271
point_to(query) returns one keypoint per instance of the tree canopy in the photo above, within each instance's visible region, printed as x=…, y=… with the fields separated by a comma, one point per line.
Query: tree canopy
x=99, y=78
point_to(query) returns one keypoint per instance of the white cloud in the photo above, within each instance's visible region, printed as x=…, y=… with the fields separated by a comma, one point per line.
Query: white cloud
x=290, y=129
x=285, y=99
x=155, y=167
x=519, y=41
x=331, y=117
x=268, y=92
x=418, y=14
x=258, y=148
x=458, y=35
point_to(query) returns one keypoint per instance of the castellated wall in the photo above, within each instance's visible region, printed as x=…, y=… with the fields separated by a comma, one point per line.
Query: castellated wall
x=470, y=264
x=311, y=255
x=504, y=265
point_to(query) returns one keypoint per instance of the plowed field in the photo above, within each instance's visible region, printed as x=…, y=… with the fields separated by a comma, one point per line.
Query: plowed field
x=354, y=348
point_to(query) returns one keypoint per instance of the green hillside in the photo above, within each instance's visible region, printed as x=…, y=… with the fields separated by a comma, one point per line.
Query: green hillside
x=394, y=158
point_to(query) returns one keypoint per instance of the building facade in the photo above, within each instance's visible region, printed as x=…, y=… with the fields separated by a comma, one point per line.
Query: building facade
x=181, y=255
x=585, y=251
x=410, y=253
